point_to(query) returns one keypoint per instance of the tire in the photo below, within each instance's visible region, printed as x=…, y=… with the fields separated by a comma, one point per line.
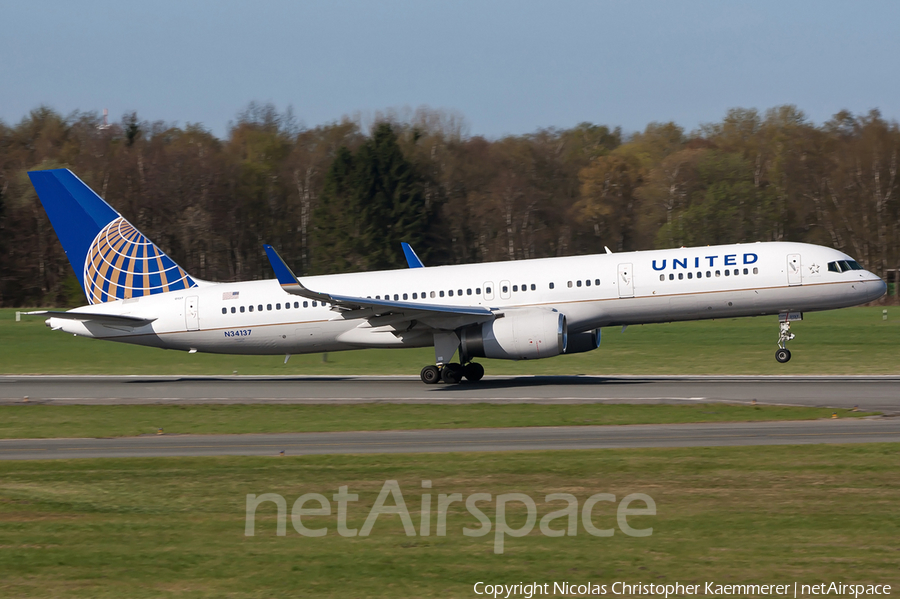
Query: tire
x=430, y=375
x=783, y=355
x=473, y=372
x=451, y=373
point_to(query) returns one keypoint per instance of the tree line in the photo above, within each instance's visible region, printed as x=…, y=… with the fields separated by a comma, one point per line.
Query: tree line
x=341, y=197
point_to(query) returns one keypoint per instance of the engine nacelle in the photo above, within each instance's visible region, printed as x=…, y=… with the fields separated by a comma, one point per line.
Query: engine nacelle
x=521, y=334
x=582, y=342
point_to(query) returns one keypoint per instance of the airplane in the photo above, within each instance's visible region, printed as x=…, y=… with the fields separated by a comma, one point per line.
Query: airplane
x=516, y=310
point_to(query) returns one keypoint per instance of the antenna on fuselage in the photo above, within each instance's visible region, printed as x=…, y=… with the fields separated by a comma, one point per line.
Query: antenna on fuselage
x=608, y=251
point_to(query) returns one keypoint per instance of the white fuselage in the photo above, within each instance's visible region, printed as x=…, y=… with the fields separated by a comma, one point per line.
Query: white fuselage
x=591, y=291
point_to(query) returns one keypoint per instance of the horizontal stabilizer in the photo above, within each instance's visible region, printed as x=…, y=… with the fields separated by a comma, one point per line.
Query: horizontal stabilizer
x=107, y=319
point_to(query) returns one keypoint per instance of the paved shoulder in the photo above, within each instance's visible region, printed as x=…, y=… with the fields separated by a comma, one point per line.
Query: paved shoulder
x=447, y=440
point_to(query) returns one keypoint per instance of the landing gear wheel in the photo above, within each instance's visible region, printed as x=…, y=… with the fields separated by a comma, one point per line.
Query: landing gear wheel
x=473, y=372
x=783, y=355
x=451, y=373
x=430, y=375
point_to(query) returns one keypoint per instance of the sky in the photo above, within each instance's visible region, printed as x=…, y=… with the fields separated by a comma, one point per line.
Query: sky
x=507, y=67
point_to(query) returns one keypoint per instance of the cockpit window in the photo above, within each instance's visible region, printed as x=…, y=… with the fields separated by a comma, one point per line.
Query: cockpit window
x=844, y=266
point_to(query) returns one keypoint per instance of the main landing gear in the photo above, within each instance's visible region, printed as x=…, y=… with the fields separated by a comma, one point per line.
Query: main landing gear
x=452, y=373
x=783, y=354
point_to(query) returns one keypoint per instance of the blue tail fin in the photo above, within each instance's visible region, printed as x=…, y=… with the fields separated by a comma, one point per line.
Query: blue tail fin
x=111, y=258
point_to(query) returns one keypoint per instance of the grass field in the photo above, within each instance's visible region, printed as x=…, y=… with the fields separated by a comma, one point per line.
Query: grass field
x=42, y=421
x=175, y=527
x=849, y=341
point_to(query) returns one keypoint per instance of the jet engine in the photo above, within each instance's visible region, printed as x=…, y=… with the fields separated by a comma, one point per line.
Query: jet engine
x=582, y=342
x=520, y=334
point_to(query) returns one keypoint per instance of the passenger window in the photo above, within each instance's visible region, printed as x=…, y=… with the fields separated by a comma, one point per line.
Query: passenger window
x=405, y=296
x=690, y=275
x=306, y=304
x=296, y=304
x=718, y=273
x=755, y=270
x=468, y=292
x=746, y=271
x=736, y=272
x=505, y=289
x=242, y=309
x=442, y=294
x=432, y=294
x=680, y=275
x=671, y=277
x=551, y=285
x=662, y=277
x=450, y=293
x=726, y=272
x=396, y=297
x=569, y=284
x=699, y=275
x=268, y=306
x=578, y=283
x=259, y=307
x=314, y=304
x=597, y=282
x=232, y=310
x=224, y=310
x=459, y=292
x=478, y=291
x=251, y=308
x=278, y=306
x=533, y=287
x=708, y=274
x=415, y=295
x=587, y=283
x=487, y=290
x=515, y=288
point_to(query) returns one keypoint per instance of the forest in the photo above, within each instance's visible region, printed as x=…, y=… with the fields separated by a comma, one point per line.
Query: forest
x=341, y=196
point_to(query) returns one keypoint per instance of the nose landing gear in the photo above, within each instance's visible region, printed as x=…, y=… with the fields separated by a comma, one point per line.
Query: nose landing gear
x=783, y=354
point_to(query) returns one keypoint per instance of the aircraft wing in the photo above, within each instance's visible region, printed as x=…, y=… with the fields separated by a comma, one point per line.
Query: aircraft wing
x=114, y=320
x=411, y=258
x=377, y=311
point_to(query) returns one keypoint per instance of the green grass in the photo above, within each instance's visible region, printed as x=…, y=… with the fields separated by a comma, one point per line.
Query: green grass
x=850, y=341
x=175, y=527
x=43, y=421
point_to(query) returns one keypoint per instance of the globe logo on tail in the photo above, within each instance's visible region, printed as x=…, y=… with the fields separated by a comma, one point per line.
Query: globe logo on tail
x=122, y=264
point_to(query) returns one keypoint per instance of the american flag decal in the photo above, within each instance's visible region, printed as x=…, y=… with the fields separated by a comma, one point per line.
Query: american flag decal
x=230, y=295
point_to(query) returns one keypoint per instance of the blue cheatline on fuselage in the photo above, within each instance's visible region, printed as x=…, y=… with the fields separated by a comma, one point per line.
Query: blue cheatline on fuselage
x=114, y=259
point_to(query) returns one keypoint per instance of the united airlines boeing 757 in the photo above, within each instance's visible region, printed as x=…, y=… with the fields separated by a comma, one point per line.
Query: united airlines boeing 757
x=519, y=310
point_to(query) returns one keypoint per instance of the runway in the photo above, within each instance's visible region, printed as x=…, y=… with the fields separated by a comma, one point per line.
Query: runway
x=875, y=393
x=463, y=440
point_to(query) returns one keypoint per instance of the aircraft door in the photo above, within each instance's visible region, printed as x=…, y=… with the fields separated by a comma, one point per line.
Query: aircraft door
x=504, y=290
x=488, y=290
x=795, y=276
x=192, y=313
x=626, y=281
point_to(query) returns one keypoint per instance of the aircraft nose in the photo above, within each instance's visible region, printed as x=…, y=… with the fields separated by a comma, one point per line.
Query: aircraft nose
x=876, y=288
